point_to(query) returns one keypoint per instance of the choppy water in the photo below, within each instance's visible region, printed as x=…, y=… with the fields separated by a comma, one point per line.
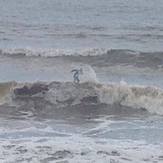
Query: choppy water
x=79, y=138
x=115, y=115
x=135, y=24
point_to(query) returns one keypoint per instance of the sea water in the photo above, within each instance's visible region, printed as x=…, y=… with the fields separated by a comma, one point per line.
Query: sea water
x=72, y=24
x=115, y=113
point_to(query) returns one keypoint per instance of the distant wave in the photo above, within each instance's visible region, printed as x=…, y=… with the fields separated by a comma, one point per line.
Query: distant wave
x=95, y=56
x=52, y=52
x=65, y=94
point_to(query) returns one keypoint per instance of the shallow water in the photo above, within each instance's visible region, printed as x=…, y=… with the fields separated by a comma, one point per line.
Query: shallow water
x=77, y=137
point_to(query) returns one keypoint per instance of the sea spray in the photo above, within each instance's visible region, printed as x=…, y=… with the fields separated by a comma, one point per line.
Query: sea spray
x=63, y=94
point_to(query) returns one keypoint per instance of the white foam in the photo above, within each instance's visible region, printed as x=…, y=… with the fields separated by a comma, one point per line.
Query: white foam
x=6, y=91
x=88, y=74
x=79, y=149
x=52, y=52
x=146, y=97
x=149, y=98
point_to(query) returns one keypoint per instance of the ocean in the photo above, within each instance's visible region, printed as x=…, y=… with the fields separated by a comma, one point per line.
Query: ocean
x=114, y=114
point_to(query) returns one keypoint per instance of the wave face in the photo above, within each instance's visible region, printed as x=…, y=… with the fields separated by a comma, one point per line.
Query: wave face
x=95, y=56
x=63, y=95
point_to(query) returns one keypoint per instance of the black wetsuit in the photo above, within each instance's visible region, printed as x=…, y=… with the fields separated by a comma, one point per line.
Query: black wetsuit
x=76, y=75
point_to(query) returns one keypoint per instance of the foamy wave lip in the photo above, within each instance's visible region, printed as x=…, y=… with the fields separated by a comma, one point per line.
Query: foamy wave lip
x=140, y=97
x=64, y=94
x=6, y=91
x=53, y=52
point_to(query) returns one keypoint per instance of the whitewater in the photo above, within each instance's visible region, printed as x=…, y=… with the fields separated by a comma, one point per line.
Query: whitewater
x=114, y=114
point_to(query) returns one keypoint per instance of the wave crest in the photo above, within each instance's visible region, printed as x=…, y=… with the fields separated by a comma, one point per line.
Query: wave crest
x=66, y=94
x=99, y=57
x=52, y=52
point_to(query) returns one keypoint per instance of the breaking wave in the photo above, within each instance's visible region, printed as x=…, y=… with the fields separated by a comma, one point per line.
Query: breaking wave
x=40, y=96
x=95, y=56
x=52, y=52
x=5, y=91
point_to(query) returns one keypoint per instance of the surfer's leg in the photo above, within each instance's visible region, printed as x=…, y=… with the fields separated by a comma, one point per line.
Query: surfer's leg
x=76, y=78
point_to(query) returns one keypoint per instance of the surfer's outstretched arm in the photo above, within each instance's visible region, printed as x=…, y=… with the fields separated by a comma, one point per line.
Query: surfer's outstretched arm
x=74, y=70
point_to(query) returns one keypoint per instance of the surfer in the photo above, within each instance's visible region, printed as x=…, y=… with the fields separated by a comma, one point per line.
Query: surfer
x=76, y=74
